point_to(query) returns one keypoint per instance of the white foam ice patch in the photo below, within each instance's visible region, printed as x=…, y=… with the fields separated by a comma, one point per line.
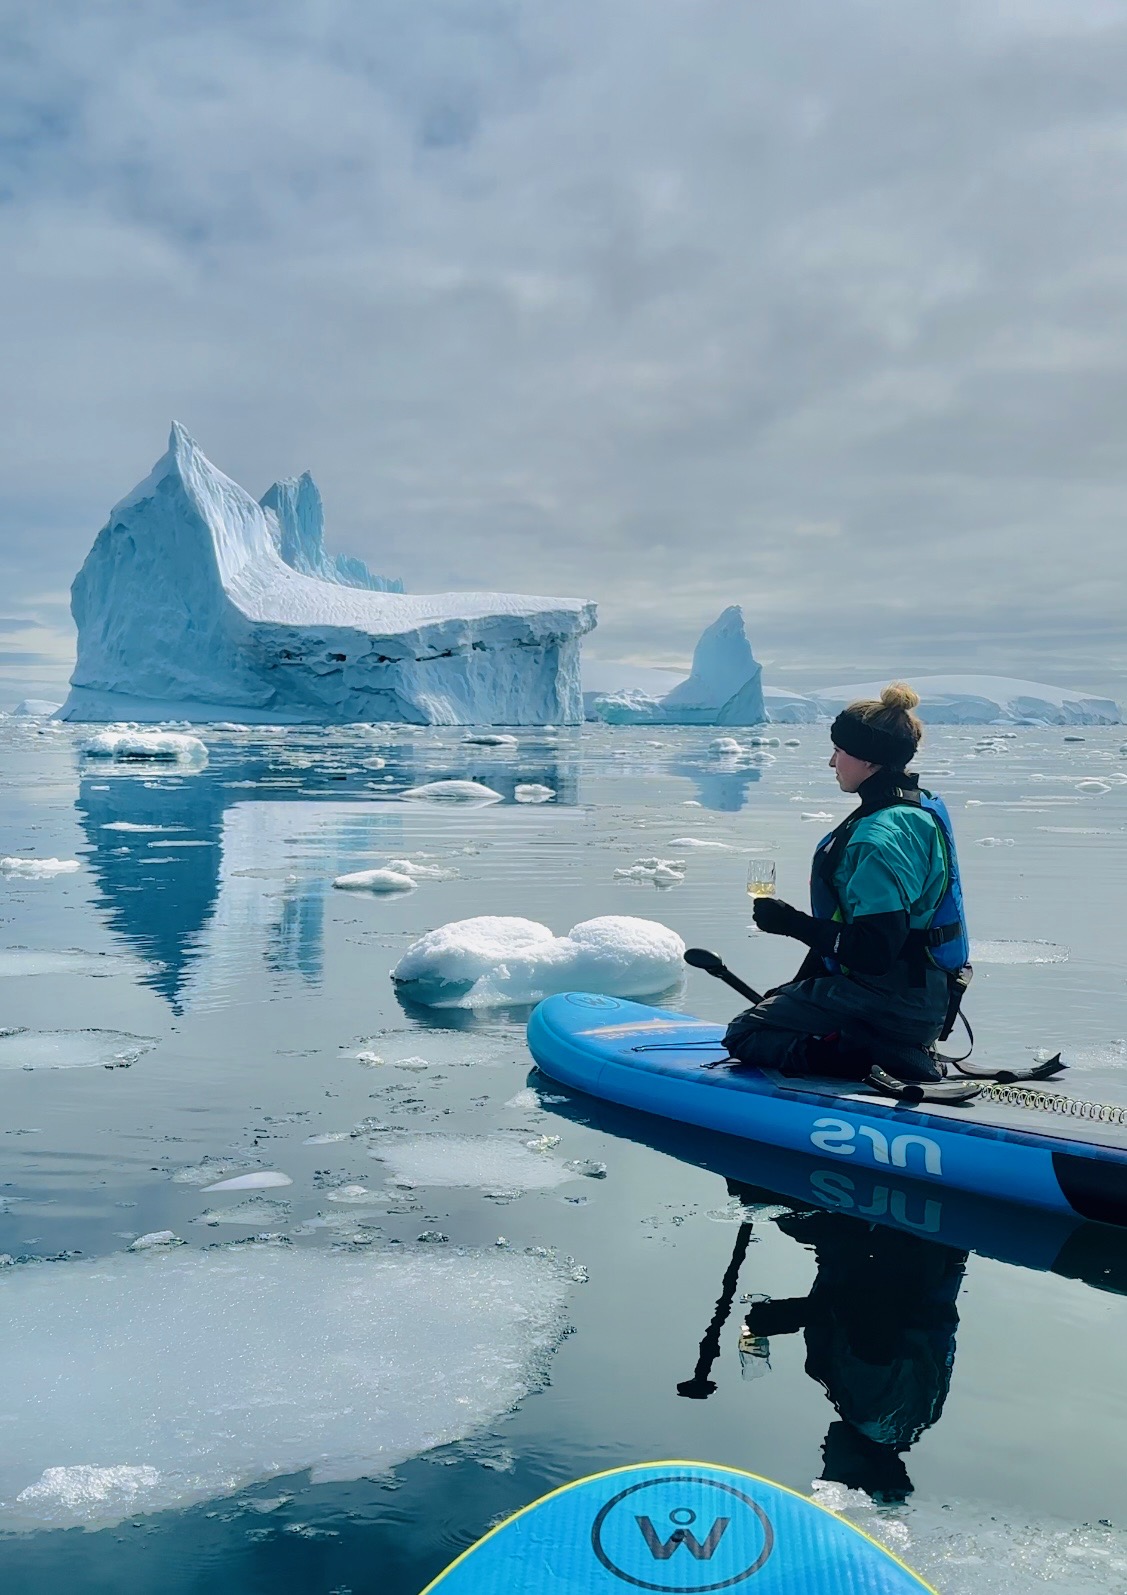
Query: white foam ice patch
x=699, y=841
x=491, y=739
x=966, y=1548
x=17, y=962
x=420, y=872
x=661, y=871
x=145, y=747
x=994, y=841
x=258, y=1180
x=532, y=792
x=1017, y=952
x=492, y=960
x=454, y=792
x=481, y=1162
x=129, y=825
x=37, y=869
x=139, y=1383
x=71, y=1049
x=375, y=880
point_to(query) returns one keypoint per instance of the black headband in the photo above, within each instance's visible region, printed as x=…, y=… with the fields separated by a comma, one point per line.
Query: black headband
x=872, y=743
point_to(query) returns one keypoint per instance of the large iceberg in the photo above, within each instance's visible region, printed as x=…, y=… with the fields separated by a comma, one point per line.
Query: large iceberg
x=198, y=603
x=724, y=688
x=985, y=700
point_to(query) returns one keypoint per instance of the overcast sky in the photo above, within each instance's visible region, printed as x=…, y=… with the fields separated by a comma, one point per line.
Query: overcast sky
x=819, y=306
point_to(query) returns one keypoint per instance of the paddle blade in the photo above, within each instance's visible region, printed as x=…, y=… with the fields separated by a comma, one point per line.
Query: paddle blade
x=701, y=958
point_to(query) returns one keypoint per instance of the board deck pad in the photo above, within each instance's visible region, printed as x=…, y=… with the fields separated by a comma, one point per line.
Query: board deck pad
x=681, y=1528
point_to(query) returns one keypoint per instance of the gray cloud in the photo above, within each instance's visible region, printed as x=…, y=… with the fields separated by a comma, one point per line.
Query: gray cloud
x=822, y=308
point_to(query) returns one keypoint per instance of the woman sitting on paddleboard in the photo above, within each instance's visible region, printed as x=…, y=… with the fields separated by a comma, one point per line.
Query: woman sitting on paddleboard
x=887, y=934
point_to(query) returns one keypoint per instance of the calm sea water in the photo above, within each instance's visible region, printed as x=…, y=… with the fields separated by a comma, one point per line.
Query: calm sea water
x=956, y=1385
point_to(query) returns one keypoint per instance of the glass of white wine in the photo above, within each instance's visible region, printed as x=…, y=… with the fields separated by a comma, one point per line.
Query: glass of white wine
x=760, y=878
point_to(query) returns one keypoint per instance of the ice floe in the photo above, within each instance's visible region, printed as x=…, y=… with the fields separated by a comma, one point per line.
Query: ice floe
x=145, y=747
x=532, y=792
x=374, y=880
x=18, y=962
x=482, y=1162
x=453, y=792
x=181, y=1375
x=71, y=1049
x=661, y=871
x=37, y=869
x=154, y=1239
x=495, y=959
x=698, y=841
x=491, y=739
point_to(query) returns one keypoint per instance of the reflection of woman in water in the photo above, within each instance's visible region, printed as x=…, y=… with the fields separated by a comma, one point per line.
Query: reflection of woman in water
x=880, y=1323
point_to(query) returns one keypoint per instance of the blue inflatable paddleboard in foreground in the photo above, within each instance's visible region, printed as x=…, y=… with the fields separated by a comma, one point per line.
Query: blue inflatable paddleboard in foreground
x=678, y=1527
x=1032, y=1146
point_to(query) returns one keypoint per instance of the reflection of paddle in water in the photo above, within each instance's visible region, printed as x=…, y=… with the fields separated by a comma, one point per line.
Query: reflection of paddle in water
x=700, y=1386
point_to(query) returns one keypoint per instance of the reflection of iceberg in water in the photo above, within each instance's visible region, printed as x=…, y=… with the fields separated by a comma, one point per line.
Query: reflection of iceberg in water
x=220, y=875
x=720, y=784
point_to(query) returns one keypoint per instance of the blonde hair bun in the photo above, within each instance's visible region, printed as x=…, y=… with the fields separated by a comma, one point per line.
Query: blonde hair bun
x=899, y=695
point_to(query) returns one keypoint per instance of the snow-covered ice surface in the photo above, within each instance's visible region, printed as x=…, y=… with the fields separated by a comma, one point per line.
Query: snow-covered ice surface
x=198, y=603
x=283, y=1048
x=146, y=747
x=984, y=700
x=184, y=1375
x=492, y=959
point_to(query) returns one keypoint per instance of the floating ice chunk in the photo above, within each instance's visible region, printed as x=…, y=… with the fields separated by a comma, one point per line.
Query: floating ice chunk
x=255, y=1214
x=206, y=1171
x=1093, y=787
x=1017, y=952
x=491, y=739
x=454, y=792
x=661, y=871
x=199, y=1372
x=327, y=1137
x=154, y=1239
x=816, y=814
x=724, y=746
x=696, y=841
x=21, y=961
x=38, y=869
x=995, y=841
x=71, y=1049
x=532, y=792
x=258, y=1180
x=353, y=1193
x=143, y=747
x=483, y=1162
x=492, y=960
x=375, y=880
x=128, y=825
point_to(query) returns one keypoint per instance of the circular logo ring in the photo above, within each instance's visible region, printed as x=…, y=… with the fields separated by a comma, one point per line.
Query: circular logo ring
x=683, y=1589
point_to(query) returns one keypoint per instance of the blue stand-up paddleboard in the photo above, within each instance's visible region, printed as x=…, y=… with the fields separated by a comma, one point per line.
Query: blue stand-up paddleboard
x=1028, y=1145
x=679, y=1527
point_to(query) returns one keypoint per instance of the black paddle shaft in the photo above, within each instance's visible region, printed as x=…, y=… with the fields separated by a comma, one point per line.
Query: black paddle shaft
x=700, y=1386
x=701, y=958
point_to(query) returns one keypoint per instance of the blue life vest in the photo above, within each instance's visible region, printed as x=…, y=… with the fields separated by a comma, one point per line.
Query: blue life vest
x=944, y=943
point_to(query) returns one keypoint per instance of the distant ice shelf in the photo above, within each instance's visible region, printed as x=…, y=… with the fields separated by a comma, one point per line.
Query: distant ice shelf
x=198, y=603
x=985, y=700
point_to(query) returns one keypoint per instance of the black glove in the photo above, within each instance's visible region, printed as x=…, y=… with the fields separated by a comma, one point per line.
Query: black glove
x=780, y=919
